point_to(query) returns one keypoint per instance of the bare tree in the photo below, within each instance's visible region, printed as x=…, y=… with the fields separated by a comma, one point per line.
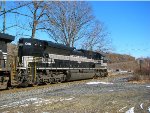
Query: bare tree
x=68, y=21
x=34, y=16
x=0, y=5
x=13, y=8
x=4, y=12
x=38, y=12
x=97, y=38
x=4, y=16
x=31, y=17
x=71, y=21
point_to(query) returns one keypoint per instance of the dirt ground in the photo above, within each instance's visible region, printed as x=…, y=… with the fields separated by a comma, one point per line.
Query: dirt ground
x=113, y=94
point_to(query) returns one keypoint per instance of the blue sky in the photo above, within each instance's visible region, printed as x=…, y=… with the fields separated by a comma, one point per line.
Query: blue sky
x=128, y=23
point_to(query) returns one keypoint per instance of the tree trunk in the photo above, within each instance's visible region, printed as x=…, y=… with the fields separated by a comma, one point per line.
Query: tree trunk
x=4, y=21
x=34, y=25
x=33, y=30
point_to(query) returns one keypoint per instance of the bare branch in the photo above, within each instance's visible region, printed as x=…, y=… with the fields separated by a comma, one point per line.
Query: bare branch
x=22, y=14
x=67, y=20
x=97, y=38
x=12, y=9
x=10, y=27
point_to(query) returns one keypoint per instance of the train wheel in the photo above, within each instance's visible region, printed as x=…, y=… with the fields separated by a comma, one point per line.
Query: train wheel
x=101, y=74
x=105, y=74
x=24, y=84
x=4, y=82
x=37, y=82
x=68, y=76
x=3, y=86
x=52, y=80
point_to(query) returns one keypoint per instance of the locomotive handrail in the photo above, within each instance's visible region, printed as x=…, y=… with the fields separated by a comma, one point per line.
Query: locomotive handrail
x=34, y=69
x=3, y=63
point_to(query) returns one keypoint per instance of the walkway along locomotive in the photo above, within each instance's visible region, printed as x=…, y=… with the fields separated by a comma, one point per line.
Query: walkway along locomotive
x=45, y=62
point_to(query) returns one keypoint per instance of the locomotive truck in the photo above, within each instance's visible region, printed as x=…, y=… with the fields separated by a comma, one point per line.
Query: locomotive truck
x=44, y=62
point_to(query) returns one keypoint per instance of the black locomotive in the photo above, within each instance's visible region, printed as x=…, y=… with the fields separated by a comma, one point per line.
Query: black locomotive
x=5, y=72
x=44, y=62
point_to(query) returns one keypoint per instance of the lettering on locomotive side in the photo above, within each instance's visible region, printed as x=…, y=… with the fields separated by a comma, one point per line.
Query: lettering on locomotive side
x=28, y=43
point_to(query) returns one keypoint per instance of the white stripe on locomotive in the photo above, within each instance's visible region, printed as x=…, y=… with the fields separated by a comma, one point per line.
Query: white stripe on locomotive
x=79, y=59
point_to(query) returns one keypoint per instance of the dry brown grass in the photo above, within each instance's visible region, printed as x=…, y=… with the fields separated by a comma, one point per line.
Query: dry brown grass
x=141, y=75
x=129, y=66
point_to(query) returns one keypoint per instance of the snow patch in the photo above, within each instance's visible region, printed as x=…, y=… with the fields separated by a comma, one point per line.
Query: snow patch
x=141, y=105
x=131, y=110
x=6, y=112
x=25, y=105
x=19, y=112
x=121, y=110
x=149, y=109
x=69, y=98
x=49, y=101
x=34, y=101
x=148, y=86
x=22, y=103
x=111, y=90
x=106, y=83
x=89, y=83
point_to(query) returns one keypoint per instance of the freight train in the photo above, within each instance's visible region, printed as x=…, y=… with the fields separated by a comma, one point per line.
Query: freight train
x=44, y=62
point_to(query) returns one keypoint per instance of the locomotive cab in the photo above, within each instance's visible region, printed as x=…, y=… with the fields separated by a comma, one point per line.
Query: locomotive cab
x=30, y=48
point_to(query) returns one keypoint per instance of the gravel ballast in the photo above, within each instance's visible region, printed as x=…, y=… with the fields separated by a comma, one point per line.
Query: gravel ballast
x=112, y=94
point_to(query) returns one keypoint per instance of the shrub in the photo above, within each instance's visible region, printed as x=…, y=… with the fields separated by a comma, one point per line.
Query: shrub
x=142, y=74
